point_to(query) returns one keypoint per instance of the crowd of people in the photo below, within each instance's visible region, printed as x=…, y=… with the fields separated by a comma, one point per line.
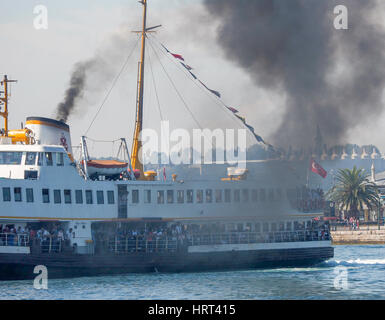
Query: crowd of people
x=161, y=236
x=178, y=236
x=48, y=238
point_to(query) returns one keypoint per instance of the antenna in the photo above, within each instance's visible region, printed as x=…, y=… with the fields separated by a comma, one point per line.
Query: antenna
x=4, y=101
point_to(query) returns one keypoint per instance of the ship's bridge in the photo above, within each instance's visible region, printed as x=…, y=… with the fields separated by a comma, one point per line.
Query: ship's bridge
x=30, y=161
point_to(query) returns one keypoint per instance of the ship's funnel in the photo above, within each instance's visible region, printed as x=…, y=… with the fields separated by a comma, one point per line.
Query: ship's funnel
x=50, y=132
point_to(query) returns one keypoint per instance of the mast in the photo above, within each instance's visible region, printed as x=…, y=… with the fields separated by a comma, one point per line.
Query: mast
x=4, y=100
x=137, y=144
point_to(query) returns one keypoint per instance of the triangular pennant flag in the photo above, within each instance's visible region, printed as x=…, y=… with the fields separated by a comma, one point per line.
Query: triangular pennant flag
x=250, y=127
x=186, y=66
x=233, y=110
x=259, y=138
x=178, y=56
x=165, y=48
x=193, y=75
x=212, y=91
x=241, y=118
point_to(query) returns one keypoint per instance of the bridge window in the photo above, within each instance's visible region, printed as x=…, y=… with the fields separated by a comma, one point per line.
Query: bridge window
x=237, y=195
x=45, y=194
x=209, y=195
x=29, y=194
x=199, y=196
x=79, y=196
x=30, y=174
x=110, y=197
x=218, y=195
x=30, y=158
x=147, y=196
x=56, y=196
x=13, y=158
x=170, y=196
x=40, y=158
x=48, y=159
x=271, y=195
x=89, y=197
x=160, y=196
x=67, y=196
x=274, y=227
x=190, y=196
x=180, y=196
x=135, y=196
x=59, y=159
x=258, y=227
x=100, y=197
x=17, y=192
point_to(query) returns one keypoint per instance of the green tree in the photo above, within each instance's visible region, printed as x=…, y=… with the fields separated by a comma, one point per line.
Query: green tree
x=353, y=191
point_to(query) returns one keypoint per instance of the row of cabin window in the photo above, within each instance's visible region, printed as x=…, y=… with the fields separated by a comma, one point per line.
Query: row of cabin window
x=57, y=196
x=32, y=158
x=210, y=196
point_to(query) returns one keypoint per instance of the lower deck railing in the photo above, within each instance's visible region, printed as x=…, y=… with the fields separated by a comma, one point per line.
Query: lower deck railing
x=14, y=239
x=121, y=244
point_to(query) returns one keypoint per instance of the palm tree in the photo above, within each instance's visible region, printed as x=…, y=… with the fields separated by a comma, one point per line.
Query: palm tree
x=353, y=191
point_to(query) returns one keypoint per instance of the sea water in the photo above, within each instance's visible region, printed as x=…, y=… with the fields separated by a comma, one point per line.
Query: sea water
x=356, y=272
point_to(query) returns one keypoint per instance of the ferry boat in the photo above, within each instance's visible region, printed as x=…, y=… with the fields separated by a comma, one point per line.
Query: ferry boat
x=90, y=217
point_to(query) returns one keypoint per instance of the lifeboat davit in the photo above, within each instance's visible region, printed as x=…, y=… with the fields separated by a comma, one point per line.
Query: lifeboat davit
x=106, y=167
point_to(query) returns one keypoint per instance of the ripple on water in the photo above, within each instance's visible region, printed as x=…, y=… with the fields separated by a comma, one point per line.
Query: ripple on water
x=365, y=266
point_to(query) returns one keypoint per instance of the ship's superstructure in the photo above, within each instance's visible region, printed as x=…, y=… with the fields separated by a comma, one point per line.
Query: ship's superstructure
x=88, y=216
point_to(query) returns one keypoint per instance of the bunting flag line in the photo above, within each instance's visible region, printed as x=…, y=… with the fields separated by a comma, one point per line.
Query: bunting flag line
x=165, y=48
x=241, y=118
x=259, y=138
x=233, y=110
x=186, y=66
x=178, y=56
x=212, y=91
x=193, y=75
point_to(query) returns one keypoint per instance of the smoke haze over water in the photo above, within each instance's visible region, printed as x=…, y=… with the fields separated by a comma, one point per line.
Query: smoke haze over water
x=330, y=77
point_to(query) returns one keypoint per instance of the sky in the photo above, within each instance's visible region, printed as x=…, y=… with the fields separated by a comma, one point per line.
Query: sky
x=42, y=61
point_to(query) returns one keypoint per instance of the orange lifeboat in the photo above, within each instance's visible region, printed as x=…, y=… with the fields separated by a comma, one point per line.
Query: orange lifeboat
x=105, y=167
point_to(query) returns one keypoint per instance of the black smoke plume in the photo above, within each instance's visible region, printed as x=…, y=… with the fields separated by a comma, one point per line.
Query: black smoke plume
x=333, y=78
x=75, y=90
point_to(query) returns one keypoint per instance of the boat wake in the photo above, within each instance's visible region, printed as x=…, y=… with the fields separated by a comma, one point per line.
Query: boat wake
x=352, y=262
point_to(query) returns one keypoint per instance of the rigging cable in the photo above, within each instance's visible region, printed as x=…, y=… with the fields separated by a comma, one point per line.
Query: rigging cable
x=113, y=85
x=156, y=91
x=175, y=88
x=236, y=120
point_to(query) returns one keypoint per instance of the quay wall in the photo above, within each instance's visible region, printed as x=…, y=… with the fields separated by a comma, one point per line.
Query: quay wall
x=360, y=236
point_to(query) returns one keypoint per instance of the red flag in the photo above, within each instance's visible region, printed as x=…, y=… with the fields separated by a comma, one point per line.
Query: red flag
x=178, y=56
x=316, y=168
